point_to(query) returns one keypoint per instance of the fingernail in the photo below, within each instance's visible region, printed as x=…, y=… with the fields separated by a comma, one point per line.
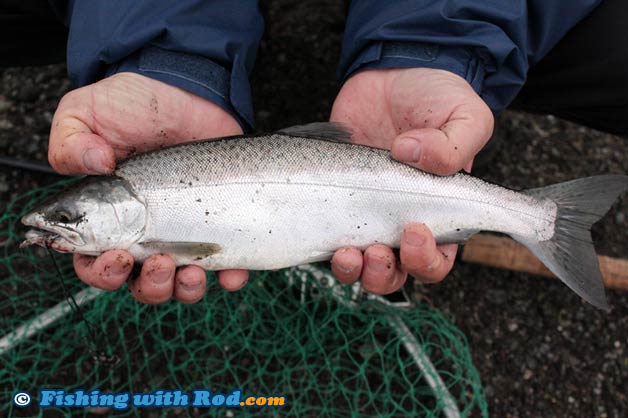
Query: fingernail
x=95, y=161
x=378, y=264
x=408, y=150
x=160, y=276
x=413, y=238
x=190, y=287
x=119, y=269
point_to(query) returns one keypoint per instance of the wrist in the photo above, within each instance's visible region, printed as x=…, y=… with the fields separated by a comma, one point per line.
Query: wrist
x=227, y=89
x=461, y=61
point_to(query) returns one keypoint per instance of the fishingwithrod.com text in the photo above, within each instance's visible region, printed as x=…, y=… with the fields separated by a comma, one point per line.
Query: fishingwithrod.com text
x=197, y=398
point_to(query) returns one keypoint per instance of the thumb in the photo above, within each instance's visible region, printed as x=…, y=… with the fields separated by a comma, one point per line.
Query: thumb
x=74, y=148
x=446, y=150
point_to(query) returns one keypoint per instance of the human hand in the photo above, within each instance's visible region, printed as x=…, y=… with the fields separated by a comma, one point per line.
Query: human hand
x=430, y=119
x=97, y=125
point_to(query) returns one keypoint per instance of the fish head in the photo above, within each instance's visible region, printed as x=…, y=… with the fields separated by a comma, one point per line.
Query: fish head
x=96, y=215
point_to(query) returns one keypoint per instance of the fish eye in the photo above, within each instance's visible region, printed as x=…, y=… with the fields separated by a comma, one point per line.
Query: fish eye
x=61, y=216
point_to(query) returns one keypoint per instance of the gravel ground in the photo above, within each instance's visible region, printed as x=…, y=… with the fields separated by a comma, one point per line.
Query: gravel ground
x=540, y=350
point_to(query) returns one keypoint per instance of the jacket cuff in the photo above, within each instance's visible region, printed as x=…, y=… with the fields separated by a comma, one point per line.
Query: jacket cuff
x=229, y=89
x=458, y=60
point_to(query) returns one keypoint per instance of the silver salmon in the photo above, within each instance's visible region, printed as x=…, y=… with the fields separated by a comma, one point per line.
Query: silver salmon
x=297, y=195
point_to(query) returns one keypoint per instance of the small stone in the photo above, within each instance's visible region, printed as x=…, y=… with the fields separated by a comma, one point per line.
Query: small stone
x=48, y=117
x=28, y=93
x=497, y=297
x=512, y=326
x=40, y=78
x=5, y=104
x=620, y=218
x=527, y=374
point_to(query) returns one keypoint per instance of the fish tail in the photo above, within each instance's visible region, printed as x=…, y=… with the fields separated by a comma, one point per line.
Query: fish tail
x=570, y=254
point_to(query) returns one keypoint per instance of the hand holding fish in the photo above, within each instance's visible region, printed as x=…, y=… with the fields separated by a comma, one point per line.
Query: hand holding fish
x=113, y=119
x=430, y=119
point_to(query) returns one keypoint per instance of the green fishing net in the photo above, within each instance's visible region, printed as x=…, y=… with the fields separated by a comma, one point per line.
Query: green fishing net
x=330, y=350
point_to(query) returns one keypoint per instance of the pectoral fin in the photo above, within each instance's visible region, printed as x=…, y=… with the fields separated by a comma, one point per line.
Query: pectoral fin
x=193, y=251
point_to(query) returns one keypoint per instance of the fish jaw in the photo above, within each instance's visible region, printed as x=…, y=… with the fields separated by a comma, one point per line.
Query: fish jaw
x=47, y=239
x=35, y=237
x=59, y=238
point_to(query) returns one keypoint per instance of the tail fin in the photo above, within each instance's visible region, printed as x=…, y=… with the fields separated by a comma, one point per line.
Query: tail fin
x=570, y=254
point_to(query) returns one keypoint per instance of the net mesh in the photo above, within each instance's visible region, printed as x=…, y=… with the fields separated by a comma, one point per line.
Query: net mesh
x=330, y=350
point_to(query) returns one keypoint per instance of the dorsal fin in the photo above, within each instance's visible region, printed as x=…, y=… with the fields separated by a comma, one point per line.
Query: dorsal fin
x=328, y=131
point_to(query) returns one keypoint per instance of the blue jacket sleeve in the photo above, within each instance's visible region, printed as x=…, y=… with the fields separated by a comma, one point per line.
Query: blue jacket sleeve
x=206, y=47
x=490, y=43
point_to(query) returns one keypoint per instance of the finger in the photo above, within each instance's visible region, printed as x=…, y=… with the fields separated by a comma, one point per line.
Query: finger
x=422, y=258
x=233, y=280
x=107, y=271
x=380, y=275
x=155, y=283
x=74, y=148
x=447, y=150
x=190, y=283
x=346, y=265
x=81, y=153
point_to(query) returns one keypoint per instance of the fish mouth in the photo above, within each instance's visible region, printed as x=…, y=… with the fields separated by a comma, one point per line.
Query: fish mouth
x=38, y=237
x=44, y=234
x=47, y=239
